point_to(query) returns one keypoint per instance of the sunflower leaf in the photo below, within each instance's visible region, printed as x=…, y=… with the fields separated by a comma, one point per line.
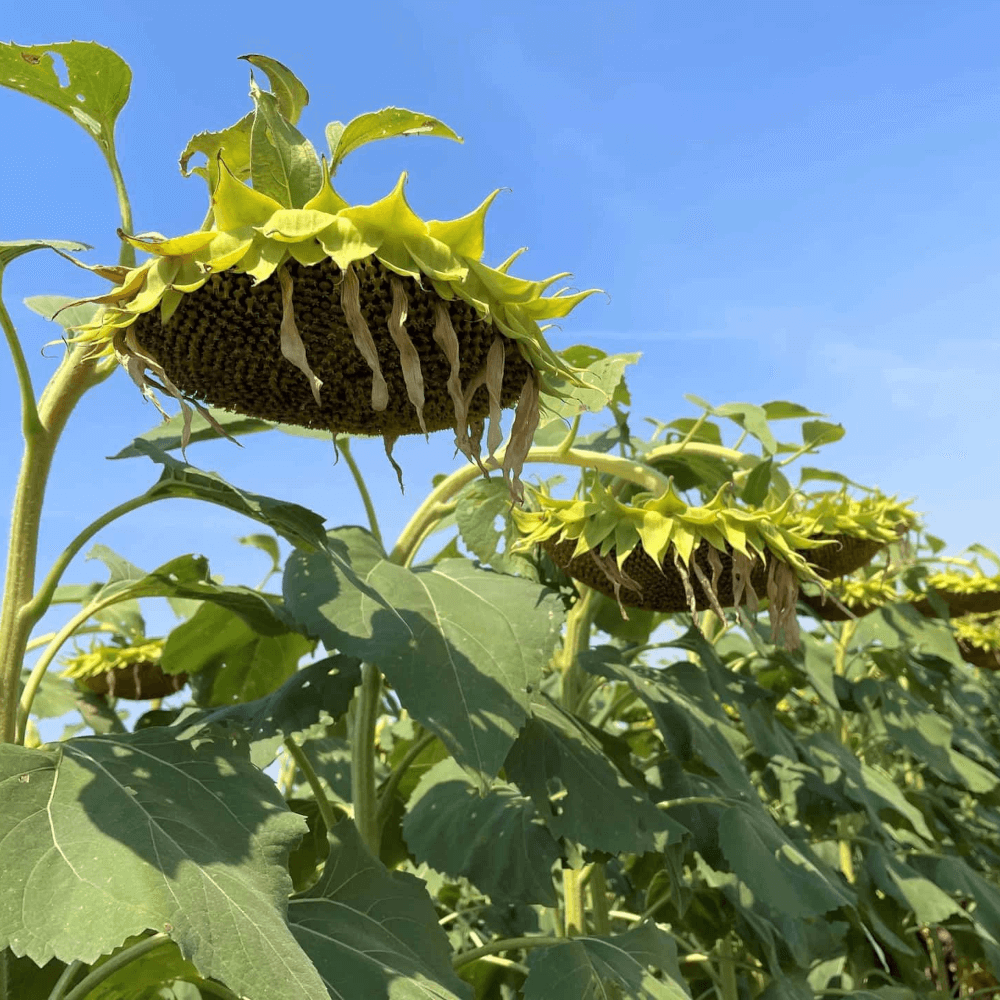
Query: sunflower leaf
x=96, y=89
x=283, y=163
x=384, y=124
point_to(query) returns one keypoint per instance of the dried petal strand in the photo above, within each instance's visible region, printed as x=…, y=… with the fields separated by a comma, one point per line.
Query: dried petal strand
x=494, y=387
x=350, y=301
x=409, y=359
x=686, y=580
x=292, y=347
x=522, y=432
x=742, y=569
x=708, y=587
x=389, y=441
x=446, y=338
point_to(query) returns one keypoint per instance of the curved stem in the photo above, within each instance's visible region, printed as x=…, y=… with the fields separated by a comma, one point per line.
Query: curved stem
x=345, y=446
x=126, y=256
x=304, y=764
x=107, y=969
x=392, y=783
x=504, y=944
x=63, y=982
x=39, y=604
x=30, y=423
x=42, y=664
x=613, y=465
x=365, y=715
x=77, y=372
x=577, y=639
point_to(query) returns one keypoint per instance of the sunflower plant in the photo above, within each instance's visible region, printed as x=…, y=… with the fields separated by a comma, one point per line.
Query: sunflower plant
x=684, y=726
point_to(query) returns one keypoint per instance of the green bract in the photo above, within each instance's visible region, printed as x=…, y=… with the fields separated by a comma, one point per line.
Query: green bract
x=364, y=319
x=661, y=554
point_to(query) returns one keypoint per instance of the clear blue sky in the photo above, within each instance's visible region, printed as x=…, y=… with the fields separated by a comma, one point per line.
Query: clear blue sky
x=783, y=200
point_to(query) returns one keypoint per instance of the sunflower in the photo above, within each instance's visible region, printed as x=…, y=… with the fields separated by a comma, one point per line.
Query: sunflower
x=358, y=319
x=128, y=671
x=658, y=553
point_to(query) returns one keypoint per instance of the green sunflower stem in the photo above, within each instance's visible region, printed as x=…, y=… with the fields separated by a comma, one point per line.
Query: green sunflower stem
x=344, y=445
x=575, y=900
x=599, y=900
x=430, y=510
x=364, y=715
x=77, y=373
x=577, y=639
x=303, y=763
x=107, y=969
x=504, y=944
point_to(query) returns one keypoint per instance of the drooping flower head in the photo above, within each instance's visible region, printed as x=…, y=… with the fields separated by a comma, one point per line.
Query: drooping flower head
x=293, y=306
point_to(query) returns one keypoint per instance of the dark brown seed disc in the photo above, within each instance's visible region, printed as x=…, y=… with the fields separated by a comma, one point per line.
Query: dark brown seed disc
x=988, y=659
x=139, y=682
x=844, y=556
x=659, y=588
x=223, y=346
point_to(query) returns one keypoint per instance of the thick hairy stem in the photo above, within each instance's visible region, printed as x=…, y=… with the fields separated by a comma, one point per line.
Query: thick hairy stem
x=365, y=711
x=577, y=639
x=727, y=987
x=575, y=901
x=77, y=373
x=599, y=900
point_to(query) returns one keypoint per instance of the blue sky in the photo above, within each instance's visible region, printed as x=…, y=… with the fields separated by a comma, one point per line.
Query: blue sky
x=783, y=201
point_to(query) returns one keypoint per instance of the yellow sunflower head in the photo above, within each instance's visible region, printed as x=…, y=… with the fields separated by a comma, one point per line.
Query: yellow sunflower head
x=293, y=306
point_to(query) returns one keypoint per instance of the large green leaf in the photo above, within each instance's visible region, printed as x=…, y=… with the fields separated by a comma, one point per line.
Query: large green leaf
x=96, y=90
x=372, y=933
x=147, y=831
x=169, y=435
x=463, y=647
x=187, y=577
x=928, y=902
x=384, y=124
x=495, y=840
x=603, y=375
x=12, y=249
x=314, y=696
x=579, y=793
x=283, y=163
x=298, y=525
x=230, y=661
x=779, y=872
x=288, y=89
x=601, y=968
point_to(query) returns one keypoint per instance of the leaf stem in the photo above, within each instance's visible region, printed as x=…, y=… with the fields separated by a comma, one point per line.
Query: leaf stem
x=392, y=783
x=577, y=639
x=365, y=715
x=345, y=446
x=304, y=764
x=30, y=423
x=63, y=982
x=107, y=969
x=126, y=255
x=39, y=604
x=504, y=944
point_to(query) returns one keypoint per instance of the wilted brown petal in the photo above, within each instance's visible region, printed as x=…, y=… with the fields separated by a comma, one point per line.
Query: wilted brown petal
x=709, y=588
x=409, y=359
x=446, y=338
x=522, y=433
x=494, y=387
x=742, y=568
x=350, y=301
x=686, y=580
x=389, y=441
x=292, y=347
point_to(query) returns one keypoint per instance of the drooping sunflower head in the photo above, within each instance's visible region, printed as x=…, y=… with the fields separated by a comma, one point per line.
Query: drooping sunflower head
x=293, y=306
x=661, y=554
x=124, y=671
